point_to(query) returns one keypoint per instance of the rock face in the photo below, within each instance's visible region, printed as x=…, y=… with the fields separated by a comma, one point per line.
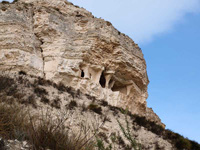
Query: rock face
x=64, y=43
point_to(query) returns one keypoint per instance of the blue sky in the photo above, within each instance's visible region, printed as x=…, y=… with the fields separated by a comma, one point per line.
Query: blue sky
x=168, y=32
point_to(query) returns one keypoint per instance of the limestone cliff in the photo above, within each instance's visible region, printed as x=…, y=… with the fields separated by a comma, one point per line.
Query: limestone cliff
x=64, y=43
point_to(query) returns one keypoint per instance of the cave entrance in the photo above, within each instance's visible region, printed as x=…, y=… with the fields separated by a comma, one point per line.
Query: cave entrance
x=102, y=80
x=82, y=74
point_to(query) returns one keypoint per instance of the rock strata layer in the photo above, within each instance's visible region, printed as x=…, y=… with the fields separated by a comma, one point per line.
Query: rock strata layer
x=64, y=43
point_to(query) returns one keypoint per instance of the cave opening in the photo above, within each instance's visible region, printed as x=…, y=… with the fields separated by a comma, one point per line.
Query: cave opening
x=102, y=80
x=82, y=74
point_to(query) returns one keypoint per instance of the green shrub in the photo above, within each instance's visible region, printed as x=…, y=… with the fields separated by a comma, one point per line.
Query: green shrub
x=95, y=108
x=151, y=126
x=100, y=145
x=127, y=134
x=183, y=143
x=195, y=145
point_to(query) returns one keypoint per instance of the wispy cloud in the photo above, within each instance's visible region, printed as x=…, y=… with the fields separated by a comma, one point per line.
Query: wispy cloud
x=141, y=19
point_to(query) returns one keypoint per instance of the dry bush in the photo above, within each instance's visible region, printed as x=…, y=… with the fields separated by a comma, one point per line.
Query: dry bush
x=48, y=133
x=42, y=132
x=95, y=108
x=72, y=104
x=13, y=122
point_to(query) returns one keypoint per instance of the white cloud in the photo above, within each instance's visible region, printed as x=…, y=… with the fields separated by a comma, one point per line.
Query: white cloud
x=141, y=19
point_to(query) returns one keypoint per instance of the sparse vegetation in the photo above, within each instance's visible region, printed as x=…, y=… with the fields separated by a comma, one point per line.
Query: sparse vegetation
x=44, y=100
x=6, y=83
x=56, y=103
x=41, y=132
x=127, y=134
x=54, y=134
x=104, y=103
x=180, y=142
x=72, y=105
x=15, y=1
x=40, y=91
x=14, y=123
x=100, y=145
x=95, y=108
x=151, y=126
x=5, y=2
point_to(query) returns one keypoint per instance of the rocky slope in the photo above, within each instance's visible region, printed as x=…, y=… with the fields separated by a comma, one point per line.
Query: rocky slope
x=82, y=113
x=40, y=96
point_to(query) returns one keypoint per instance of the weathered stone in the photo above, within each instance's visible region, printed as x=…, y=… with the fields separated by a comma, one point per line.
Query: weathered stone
x=64, y=43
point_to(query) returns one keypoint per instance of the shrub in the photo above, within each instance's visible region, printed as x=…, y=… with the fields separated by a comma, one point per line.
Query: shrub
x=104, y=103
x=53, y=134
x=44, y=100
x=72, y=105
x=90, y=97
x=56, y=103
x=12, y=90
x=6, y=83
x=95, y=108
x=5, y=2
x=108, y=23
x=180, y=142
x=194, y=145
x=15, y=1
x=103, y=136
x=61, y=87
x=183, y=143
x=127, y=134
x=40, y=91
x=100, y=145
x=153, y=127
x=41, y=132
x=12, y=122
x=31, y=100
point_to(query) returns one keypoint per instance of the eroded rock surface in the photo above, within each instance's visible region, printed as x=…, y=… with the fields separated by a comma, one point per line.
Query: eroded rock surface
x=64, y=43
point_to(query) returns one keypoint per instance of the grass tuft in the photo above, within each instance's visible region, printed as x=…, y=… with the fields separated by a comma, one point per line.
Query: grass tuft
x=41, y=132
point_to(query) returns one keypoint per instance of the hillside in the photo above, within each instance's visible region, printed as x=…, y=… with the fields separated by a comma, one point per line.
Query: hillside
x=70, y=79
